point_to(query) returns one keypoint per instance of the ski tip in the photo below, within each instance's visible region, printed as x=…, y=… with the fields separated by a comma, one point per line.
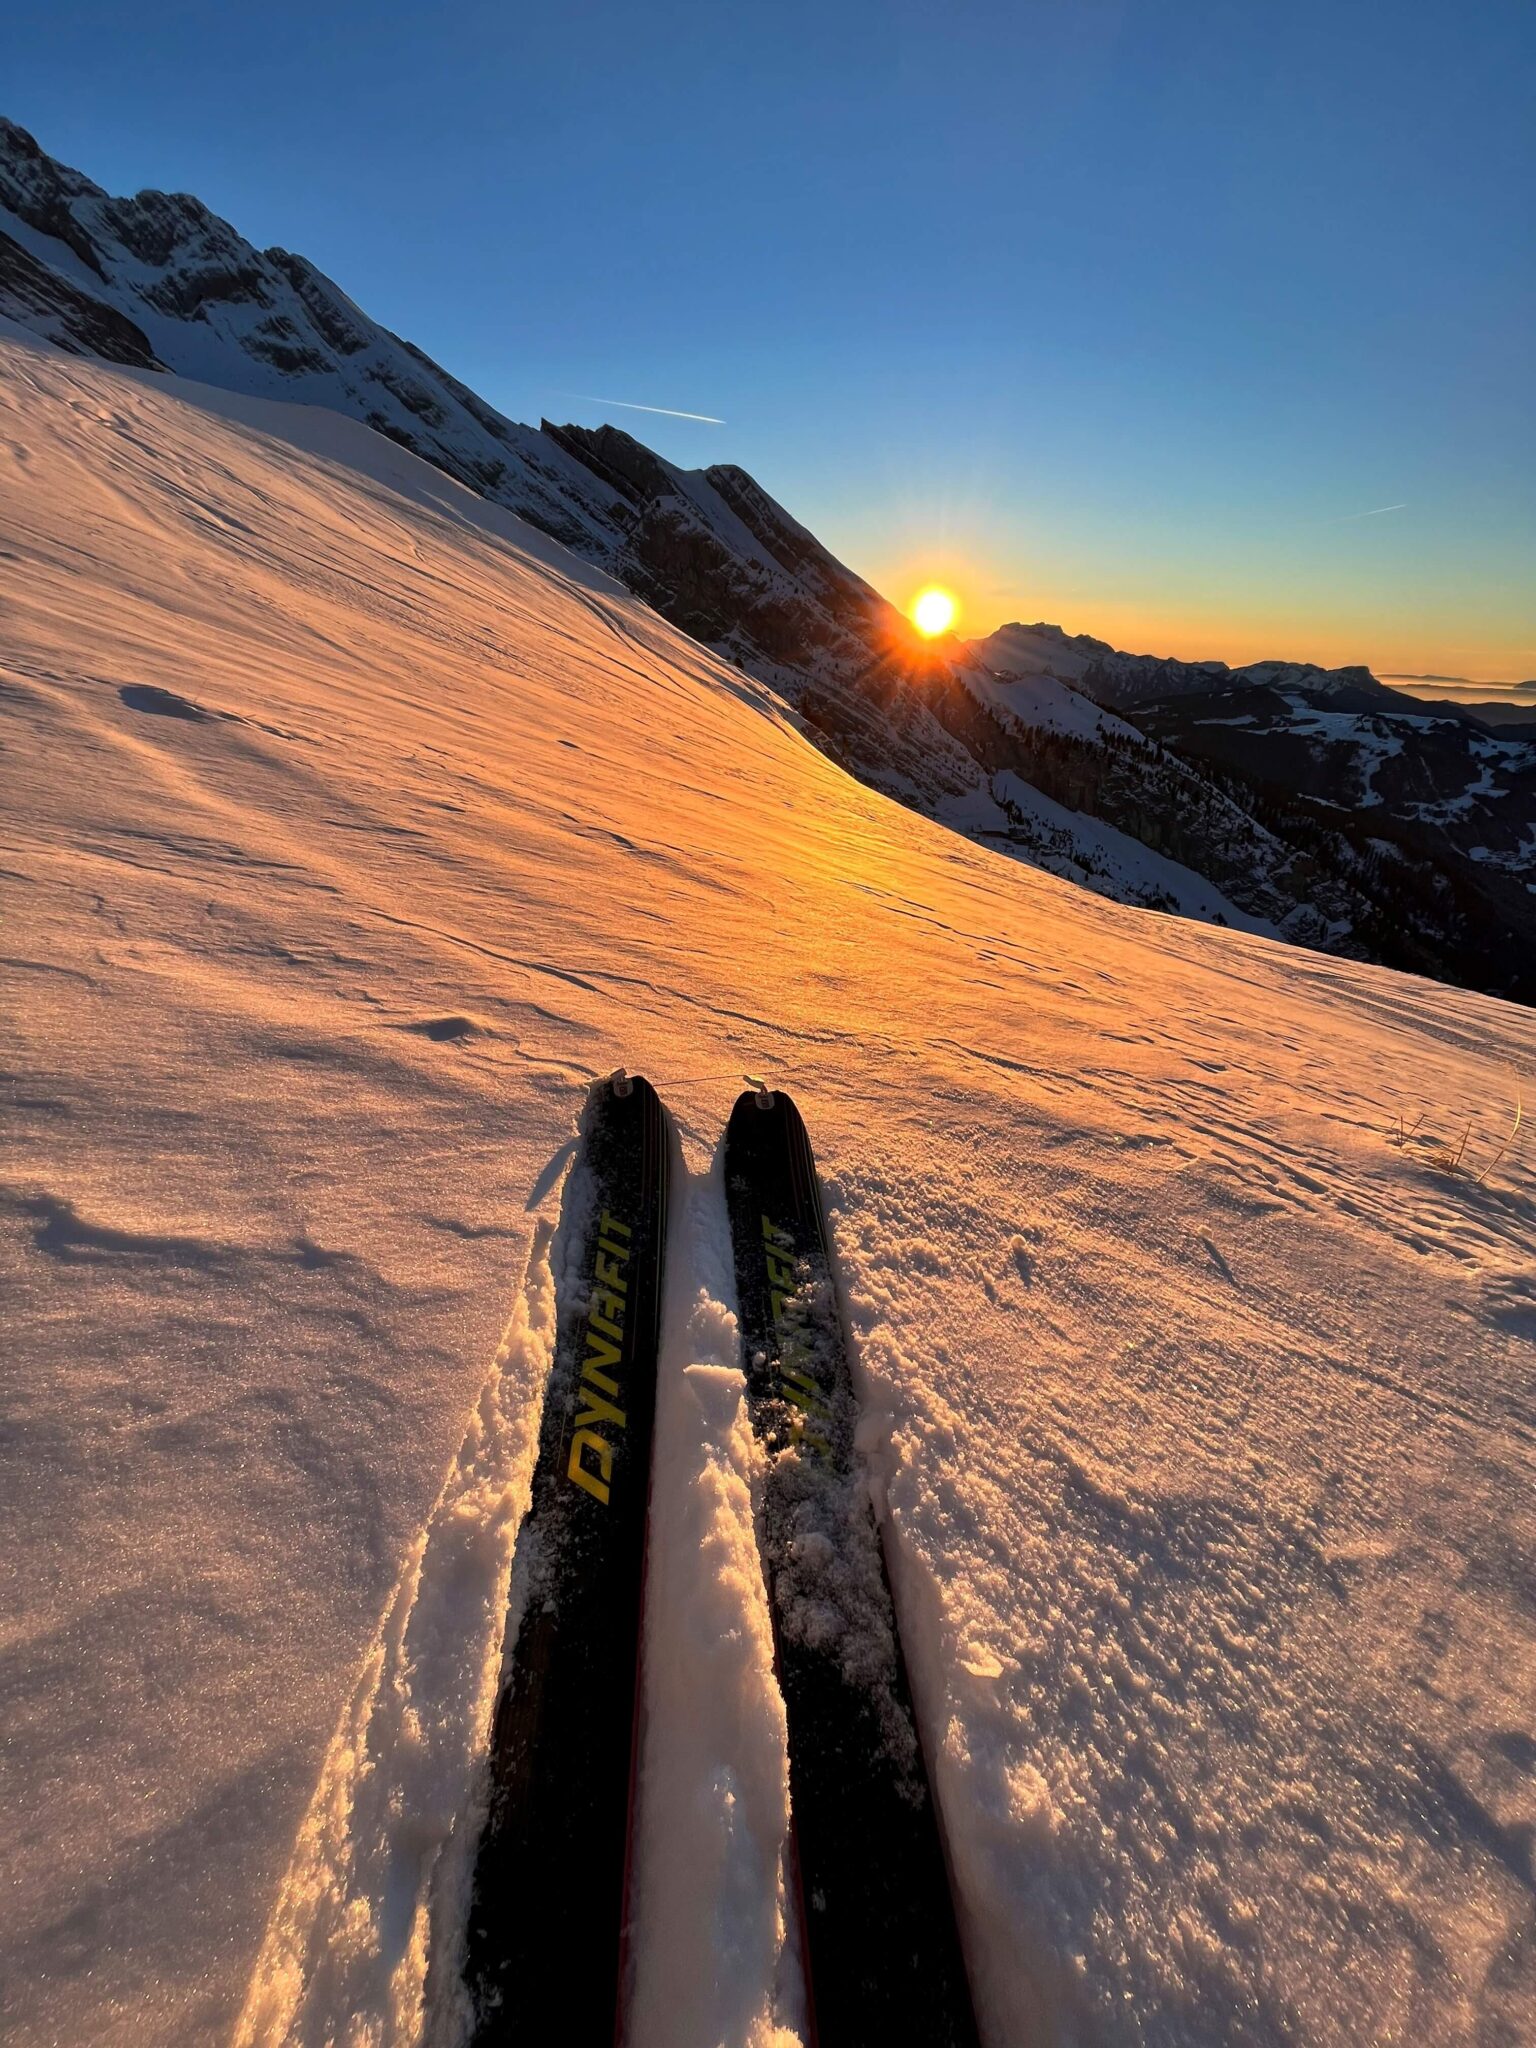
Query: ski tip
x=621, y=1089
x=758, y=1097
x=762, y=1109
x=620, y=1083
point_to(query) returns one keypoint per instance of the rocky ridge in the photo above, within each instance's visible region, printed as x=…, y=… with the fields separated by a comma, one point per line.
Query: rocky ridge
x=971, y=735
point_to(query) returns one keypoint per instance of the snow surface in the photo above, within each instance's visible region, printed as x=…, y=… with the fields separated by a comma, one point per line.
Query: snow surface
x=1086, y=850
x=1373, y=740
x=1044, y=700
x=350, y=828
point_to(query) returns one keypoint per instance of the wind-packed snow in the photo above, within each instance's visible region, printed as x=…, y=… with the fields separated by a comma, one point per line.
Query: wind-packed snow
x=350, y=828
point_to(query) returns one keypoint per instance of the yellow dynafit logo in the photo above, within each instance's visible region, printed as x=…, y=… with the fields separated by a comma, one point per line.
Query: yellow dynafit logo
x=591, y=1459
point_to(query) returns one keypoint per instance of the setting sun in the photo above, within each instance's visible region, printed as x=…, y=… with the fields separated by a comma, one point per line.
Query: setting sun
x=933, y=611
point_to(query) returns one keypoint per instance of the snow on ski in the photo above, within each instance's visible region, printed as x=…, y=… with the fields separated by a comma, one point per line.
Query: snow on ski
x=547, y=1915
x=883, y=1958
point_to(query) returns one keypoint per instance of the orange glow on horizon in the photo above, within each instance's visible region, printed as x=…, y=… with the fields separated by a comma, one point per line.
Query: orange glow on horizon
x=1238, y=635
x=1223, y=619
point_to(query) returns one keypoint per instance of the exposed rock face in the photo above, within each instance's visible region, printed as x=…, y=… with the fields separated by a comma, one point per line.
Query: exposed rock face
x=39, y=298
x=1270, y=815
x=207, y=305
x=714, y=553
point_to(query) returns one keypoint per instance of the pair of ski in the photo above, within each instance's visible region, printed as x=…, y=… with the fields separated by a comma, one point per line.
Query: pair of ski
x=545, y=1956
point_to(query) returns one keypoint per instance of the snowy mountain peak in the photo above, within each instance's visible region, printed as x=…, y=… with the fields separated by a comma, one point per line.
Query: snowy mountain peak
x=161, y=282
x=1154, y=813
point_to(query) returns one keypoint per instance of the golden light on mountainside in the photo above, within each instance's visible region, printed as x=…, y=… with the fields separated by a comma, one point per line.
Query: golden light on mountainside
x=933, y=611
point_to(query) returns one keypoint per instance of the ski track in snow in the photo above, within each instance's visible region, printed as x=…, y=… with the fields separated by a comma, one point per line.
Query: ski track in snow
x=349, y=829
x=386, y=1846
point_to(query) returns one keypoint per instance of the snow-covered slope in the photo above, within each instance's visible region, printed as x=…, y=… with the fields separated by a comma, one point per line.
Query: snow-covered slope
x=205, y=303
x=1084, y=848
x=1037, y=698
x=350, y=826
x=158, y=281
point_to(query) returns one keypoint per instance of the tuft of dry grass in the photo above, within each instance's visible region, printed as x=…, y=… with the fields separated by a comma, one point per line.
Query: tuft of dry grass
x=1447, y=1156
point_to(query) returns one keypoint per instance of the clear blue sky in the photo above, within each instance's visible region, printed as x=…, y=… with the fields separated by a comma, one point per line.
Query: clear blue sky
x=1114, y=314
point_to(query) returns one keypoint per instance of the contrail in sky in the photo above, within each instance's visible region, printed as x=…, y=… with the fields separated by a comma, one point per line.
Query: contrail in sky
x=671, y=411
x=1374, y=513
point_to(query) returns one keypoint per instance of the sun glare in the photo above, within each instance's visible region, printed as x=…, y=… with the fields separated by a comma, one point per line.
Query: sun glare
x=933, y=611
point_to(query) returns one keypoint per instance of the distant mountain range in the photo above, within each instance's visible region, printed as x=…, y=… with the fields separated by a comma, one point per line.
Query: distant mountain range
x=1279, y=796
x=1460, y=682
x=1494, y=703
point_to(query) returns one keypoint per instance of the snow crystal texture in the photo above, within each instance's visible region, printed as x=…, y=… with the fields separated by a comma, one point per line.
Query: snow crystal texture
x=350, y=827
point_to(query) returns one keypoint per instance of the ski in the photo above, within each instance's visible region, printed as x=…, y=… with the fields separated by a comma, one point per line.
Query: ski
x=882, y=1951
x=546, y=1930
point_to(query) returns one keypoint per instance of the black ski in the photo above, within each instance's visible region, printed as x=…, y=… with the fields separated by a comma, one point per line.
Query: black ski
x=545, y=1948
x=883, y=1958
